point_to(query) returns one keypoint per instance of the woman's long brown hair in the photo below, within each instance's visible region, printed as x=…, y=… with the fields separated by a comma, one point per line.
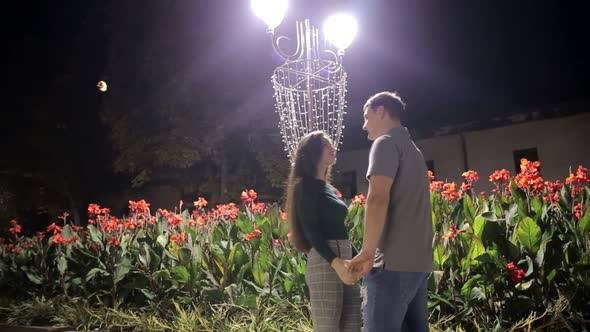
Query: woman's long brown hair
x=307, y=157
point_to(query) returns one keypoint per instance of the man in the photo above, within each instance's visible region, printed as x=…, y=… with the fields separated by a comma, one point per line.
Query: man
x=396, y=257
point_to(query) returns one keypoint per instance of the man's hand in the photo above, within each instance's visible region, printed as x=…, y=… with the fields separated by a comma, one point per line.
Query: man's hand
x=341, y=267
x=362, y=263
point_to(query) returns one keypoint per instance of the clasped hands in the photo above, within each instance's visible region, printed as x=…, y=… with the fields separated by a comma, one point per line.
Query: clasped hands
x=350, y=271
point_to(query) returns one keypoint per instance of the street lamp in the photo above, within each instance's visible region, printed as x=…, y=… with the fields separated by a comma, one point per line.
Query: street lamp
x=310, y=86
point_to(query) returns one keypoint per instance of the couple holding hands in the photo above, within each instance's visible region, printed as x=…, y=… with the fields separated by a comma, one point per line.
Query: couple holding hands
x=396, y=256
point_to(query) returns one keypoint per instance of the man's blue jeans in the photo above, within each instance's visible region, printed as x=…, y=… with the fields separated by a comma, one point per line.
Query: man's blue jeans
x=396, y=301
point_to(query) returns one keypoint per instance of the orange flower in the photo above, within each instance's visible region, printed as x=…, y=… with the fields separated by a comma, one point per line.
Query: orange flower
x=95, y=209
x=529, y=177
x=510, y=266
x=436, y=185
x=129, y=223
x=576, y=181
x=57, y=238
x=359, y=199
x=450, y=192
x=471, y=176
x=283, y=215
x=500, y=177
x=227, y=211
x=453, y=232
x=465, y=186
x=64, y=216
x=114, y=241
x=53, y=227
x=141, y=206
x=178, y=238
x=16, y=228
x=77, y=228
x=256, y=233
x=174, y=220
x=201, y=203
x=579, y=211
x=259, y=208
x=430, y=175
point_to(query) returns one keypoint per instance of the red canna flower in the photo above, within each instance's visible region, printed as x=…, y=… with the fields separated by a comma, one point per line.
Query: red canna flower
x=465, y=186
x=16, y=228
x=259, y=208
x=430, y=175
x=471, y=176
x=453, y=232
x=77, y=228
x=53, y=227
x=359, y=199
x=510, y=266
x=129, y=223
x=436, y=185
x=201, y=203
x=579, y=211
x=64, y=216
x=499, y=179
x=140, y=207
x=256, y=233
x=517, y=275
x=229, y=211
x=178, y=238
x=114, y=241
x=450, y=192
x=576, y=181
x=529, y=177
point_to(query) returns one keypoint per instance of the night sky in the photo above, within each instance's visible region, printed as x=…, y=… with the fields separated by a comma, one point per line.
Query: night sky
x=452, y=61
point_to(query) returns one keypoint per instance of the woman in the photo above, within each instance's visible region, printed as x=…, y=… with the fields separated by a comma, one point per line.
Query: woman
x=316, y=221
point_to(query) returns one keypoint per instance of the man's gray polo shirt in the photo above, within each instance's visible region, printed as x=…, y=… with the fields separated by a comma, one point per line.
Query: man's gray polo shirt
x=406, y=242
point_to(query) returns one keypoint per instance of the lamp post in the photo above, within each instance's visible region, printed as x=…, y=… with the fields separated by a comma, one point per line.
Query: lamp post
x=310, y=86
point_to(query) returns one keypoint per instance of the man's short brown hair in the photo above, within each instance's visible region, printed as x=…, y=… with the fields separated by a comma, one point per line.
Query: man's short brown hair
x=390, y=101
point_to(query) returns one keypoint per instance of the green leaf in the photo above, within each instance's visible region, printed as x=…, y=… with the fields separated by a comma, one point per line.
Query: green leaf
x=162, y=240
x=551, y=275
x=439, y=256
x=181, y=274
x=34, y=277
x=478, y=226
x=537, y=207
x=510, y=213
x=490, y=216
x=529, y=235
x=62, y=265
x=584, y=224
x=524, y=285
x=259, y=273
x=92, y=273
x=95, y=235
x=477, y=249
x=120, y=272
x=144, y=255
x=468, y=287
x=468, y=208
x=148, y=294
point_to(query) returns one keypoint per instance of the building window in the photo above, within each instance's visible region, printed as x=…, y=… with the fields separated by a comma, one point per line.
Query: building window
x=528, y=154
x=430, y=166
x=346, y=183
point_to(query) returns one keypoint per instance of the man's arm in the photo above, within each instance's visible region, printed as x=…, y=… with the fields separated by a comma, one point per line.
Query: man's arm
x=376, y=212
x=375, y=216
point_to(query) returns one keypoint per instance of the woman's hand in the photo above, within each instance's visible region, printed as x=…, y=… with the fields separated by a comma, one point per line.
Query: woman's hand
x=341, y=267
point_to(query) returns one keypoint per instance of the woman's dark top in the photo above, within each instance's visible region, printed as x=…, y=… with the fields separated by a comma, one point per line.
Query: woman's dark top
x=320, y=214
